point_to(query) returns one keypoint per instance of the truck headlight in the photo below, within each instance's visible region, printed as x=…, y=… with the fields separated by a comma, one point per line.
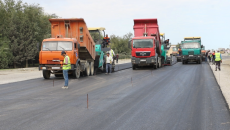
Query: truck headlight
x=152, y=60
x=43, y=68
x=198, y=56
x=133, y=61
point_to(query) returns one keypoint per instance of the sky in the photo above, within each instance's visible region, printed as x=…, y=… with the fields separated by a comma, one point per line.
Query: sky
x=208, y=19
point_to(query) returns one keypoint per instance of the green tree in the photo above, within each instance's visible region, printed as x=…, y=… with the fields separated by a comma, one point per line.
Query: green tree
x=120, y=44
x=5, y=54
x=24, y=25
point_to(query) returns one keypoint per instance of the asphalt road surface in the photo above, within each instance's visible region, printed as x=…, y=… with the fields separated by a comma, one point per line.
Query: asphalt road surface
x=178, y=97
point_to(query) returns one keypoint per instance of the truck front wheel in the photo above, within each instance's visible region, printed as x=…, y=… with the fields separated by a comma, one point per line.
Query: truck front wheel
x=134, y=67
x=77, y=72
x=155, y=65
x=46, y=74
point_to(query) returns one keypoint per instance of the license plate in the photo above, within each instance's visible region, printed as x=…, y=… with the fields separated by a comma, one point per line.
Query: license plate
x=55, y=68
x=190, y=55
x=143, y=59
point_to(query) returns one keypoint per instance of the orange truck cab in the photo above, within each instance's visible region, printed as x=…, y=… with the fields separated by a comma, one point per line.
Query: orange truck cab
x=71, y=36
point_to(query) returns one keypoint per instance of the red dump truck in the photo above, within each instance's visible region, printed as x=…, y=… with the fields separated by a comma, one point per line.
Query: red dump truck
x=146, y=44
x=73, y=37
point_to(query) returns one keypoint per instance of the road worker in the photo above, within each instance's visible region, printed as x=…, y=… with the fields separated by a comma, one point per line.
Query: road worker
x=213, y=57
x=117, y=57
x=109, y=61
x=111, y=52
x=180, y=51
x=106, y=41
x=66, y=67
x=218, y=60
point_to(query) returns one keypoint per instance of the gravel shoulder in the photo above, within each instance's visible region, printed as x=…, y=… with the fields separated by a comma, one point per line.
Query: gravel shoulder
x=222, y=77
x=21, y=74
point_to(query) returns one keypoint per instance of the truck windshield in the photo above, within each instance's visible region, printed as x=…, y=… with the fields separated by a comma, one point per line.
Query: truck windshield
x=174, y=49
x=190, y=45
x=57, y=46
x=142, y=43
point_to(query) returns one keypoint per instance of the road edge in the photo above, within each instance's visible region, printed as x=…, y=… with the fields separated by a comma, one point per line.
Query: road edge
x=225, y=100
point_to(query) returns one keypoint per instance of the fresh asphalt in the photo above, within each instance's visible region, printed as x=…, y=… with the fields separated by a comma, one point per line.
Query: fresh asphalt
x=178, y=97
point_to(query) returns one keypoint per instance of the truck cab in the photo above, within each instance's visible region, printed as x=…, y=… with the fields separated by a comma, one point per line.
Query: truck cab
x=50, y=55
x=191, y=50
x=174, y=51
x=146, y=44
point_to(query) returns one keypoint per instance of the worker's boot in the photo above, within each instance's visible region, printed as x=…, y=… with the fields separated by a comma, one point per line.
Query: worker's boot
x=216, y=69
x=219, y=69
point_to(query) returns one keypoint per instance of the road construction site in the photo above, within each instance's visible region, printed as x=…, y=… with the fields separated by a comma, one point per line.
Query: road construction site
x=172, y=97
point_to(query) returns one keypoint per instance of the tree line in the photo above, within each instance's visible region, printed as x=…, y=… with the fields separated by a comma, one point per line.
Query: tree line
x=22, y=28
x=120, y=44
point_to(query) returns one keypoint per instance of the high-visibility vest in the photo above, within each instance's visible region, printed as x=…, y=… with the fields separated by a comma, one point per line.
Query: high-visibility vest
x=217, y=57
x=68, y=66
x=111, y=51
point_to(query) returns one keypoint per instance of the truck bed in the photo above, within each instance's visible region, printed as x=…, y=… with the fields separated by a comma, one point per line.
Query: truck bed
x=75, y=28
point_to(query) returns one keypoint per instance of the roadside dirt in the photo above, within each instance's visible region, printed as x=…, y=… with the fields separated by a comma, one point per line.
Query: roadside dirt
x=223, y=76
x=21, y=74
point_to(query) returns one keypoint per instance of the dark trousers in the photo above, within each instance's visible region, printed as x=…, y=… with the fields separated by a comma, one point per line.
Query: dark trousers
x=218, y=64
x=209, y=58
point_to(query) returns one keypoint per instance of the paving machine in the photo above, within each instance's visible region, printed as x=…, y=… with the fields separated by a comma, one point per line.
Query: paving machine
x=98, y=33
x=165, y=45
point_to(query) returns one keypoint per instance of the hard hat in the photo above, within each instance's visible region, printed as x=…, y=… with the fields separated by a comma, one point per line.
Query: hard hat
x=107, y=52
x=63, y=52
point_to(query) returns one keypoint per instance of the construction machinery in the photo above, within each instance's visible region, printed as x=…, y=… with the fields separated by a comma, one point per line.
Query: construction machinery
x=73, y=37
x=174, y=50
x=98, y=33
x=165, y=45
x=179, y=55
x=146, y=44
x=191, y=50
x=203, y=53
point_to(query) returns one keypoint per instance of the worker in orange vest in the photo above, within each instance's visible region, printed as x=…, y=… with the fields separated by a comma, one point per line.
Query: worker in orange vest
x=180, y=51
x=213, y=57
x=106, y=41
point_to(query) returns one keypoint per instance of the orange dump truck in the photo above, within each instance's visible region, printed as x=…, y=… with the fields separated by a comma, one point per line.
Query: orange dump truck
x=73, y=37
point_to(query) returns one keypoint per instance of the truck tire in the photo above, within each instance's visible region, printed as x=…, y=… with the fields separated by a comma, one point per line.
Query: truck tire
x=134, y=67
x=87, y=71
x=162, y=61
x=92, y=68
x=155, y=65
x=46, y=74
x=77, y=72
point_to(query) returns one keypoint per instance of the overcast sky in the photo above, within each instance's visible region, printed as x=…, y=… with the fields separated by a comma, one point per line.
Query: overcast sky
x=209, y=19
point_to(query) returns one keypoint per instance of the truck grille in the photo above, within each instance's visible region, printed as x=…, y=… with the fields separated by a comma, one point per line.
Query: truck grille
x=143, y=53
x=191, y=53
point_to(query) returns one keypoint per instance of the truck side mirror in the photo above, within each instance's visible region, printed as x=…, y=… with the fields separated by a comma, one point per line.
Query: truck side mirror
x=202, y=46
